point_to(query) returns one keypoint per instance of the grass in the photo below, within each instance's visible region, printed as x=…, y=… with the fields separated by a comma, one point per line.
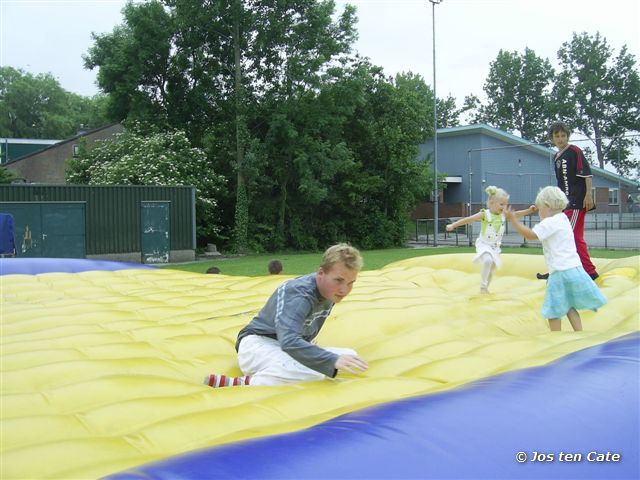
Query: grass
x=301, y=263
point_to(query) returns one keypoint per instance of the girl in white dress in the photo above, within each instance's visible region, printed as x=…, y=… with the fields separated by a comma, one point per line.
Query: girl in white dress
x=569, y=287
x=491, y=231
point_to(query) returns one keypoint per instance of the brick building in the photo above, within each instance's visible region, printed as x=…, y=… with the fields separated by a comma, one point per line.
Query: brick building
x=48, y=165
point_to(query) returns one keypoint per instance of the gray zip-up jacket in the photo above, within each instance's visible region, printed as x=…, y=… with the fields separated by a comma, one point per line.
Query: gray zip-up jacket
x=293, y=315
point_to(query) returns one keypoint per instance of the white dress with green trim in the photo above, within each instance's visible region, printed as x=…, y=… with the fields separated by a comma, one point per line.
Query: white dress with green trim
x=491, y=231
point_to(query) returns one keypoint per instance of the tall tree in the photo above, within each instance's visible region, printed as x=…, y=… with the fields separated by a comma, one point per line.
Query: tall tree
x=518, y=91
x=383, y=133
x=303, y=42
x=398, y=118
x=598, y=93
x=212, y=64
x=36, y=106
x=471, y=108
x=133, y=63
x=448, y=112
x=349, y=154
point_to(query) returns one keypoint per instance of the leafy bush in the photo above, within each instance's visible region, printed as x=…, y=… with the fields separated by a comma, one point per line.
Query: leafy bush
x=138, y=157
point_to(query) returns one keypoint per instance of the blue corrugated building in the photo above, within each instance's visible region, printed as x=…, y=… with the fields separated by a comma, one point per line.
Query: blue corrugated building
x=471, y=157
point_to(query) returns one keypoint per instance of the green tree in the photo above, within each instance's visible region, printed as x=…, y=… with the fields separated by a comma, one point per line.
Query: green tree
x=448, y=112
x=397, y=117
x=305, y=133
x=518, y=90
x=347, y=155
x=140, y=156
x=36, y=106
x=598, y=93
x=6, y=175
x=378, y=177
x=302, y=40
x=305, y=155
x=211, y=66
x=471, y=107
x=134, y=63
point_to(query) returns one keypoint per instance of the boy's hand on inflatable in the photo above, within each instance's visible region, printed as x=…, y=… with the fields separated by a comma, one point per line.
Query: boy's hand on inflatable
x=351, y=363
x=449, y=228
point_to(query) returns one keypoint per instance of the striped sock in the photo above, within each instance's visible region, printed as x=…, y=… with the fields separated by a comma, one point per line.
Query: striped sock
x=217, y=381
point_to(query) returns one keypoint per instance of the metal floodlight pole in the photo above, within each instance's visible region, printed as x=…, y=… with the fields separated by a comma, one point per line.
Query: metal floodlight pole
x=619, y=193
x=436, y=196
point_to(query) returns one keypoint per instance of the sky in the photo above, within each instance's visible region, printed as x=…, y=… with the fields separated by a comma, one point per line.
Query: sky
x=50, y=36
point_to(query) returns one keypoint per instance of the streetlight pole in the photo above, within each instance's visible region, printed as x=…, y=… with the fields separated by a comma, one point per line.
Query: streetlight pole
x=436, y=196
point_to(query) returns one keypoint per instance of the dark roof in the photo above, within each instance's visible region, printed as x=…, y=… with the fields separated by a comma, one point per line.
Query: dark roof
x=62, y=142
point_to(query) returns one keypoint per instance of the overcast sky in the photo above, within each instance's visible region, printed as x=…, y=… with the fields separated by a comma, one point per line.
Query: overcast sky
x=43, y=36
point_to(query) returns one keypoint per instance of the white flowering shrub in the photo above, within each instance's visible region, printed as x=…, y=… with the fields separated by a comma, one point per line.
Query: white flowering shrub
x=161, y=159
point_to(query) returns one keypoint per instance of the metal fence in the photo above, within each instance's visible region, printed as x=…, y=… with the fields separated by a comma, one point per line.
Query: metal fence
x=615, y=231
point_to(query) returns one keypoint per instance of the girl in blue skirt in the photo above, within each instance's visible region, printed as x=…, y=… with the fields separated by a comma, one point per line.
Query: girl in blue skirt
x=569, y=288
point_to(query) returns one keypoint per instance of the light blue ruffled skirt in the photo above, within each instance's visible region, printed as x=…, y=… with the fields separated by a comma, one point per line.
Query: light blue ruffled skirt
x=568, y=289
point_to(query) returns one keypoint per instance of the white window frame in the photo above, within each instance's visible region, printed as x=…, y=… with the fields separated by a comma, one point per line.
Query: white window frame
x=614, y=192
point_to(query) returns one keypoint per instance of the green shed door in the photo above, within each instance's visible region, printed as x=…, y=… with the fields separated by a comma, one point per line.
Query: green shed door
x=55, y=230
x=27, y=226
x=63, y=230
x=155, y=241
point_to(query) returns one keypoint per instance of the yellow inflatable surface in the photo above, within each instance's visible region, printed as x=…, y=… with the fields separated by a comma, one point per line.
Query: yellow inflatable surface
x=101, y=370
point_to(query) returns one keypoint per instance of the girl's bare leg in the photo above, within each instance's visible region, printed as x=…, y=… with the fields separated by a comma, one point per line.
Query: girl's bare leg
x=574, y=319
x=555, y=325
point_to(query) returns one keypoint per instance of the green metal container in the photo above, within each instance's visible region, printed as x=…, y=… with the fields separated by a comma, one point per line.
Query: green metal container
x=129, y=223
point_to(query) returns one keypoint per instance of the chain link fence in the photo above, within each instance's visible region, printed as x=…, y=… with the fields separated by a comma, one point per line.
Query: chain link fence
x=602, y=230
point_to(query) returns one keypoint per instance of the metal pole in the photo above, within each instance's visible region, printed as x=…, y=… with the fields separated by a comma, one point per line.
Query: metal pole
x=436, y=197
x=619, y=194
x=470, y=181
x=194, y=244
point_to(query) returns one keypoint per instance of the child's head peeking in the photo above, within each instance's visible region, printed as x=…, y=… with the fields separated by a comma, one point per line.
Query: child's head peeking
x=550, y=200
x=497, y=199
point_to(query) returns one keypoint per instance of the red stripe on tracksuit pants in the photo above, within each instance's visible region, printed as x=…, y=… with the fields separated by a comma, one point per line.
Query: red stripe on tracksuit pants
x=576, y=218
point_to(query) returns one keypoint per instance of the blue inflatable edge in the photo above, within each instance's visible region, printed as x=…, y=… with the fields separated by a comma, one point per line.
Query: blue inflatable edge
x=577, y=417
x=35, y=266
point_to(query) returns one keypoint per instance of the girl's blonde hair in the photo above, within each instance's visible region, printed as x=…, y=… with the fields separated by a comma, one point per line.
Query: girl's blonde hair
x=342, y=253
x=493, y=193
x=552, y=197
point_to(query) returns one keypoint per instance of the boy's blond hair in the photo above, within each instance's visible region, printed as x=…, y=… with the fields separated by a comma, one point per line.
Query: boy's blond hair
x=552, y=197
x=341, y=253
x=494, y=193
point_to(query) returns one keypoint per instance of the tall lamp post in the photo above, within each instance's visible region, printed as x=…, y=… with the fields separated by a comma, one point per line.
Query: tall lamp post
x=436, y=196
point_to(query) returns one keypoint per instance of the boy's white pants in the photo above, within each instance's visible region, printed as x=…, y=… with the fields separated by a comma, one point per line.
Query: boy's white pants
x=266, y=363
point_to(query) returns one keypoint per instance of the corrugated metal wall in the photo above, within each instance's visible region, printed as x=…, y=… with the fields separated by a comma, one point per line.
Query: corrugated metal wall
x=113, y=212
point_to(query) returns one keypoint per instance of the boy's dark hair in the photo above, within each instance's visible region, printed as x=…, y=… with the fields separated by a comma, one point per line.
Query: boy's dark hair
x=213, y=270
x=559, y=127
x=274, y=267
